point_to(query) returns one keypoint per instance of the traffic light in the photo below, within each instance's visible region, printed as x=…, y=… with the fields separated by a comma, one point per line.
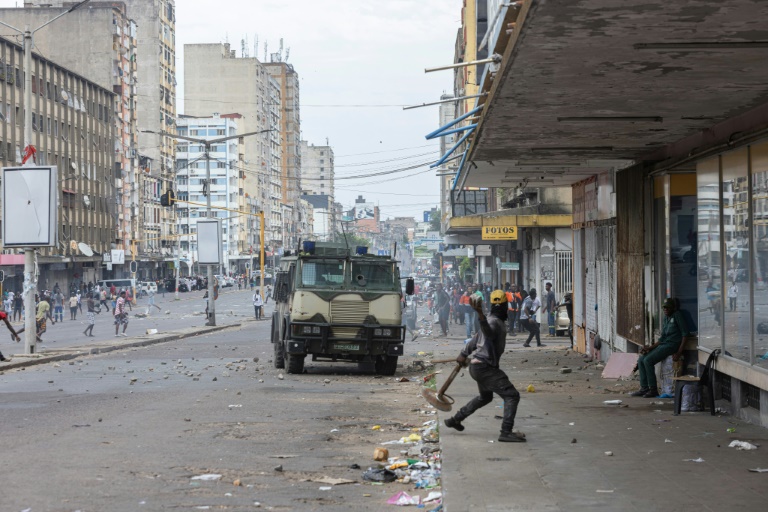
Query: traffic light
x=2, y=276
x=167, y=199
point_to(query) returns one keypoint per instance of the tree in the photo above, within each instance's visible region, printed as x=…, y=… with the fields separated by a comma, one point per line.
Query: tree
x=464, y=265
x=435, y=220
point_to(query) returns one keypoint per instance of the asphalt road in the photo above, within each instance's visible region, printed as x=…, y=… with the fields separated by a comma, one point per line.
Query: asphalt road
x=129, y=429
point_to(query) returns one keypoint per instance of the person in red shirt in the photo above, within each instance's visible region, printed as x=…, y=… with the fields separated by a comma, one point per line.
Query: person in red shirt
x=121, y=317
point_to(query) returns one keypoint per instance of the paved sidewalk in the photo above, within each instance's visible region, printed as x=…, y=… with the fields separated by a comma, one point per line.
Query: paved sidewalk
x=564, y=466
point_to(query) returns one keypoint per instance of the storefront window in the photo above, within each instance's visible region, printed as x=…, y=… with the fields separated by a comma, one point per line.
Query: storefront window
x=737, y=310
x=759, y=155
x=708, y=253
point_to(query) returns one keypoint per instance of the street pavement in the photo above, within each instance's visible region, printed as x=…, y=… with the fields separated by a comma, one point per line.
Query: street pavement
x=128, y=429
x=232, y=306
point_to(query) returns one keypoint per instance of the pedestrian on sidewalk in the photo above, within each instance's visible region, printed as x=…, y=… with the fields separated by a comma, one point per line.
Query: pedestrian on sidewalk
x=73, y=307
x=90, y=315
x=14, y=334
x=257, y=304
x=151, y=301
x=121, y=317
x=79, y=296
x=484, y=352
x=550, y=306
x=443, y=306
x=43, y=312
x=531, y=306
x=674, y=334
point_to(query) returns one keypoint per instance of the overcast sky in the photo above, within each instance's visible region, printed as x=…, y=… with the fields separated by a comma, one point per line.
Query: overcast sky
x=359, y=62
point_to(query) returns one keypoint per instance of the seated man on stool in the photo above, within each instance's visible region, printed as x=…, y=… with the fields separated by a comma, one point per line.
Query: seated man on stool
x=674, y=333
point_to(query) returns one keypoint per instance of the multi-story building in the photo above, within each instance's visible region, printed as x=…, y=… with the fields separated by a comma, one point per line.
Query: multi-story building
x=317, y=170
x=366, y=216
x=290, y=135
x=155, y=65
x=225, y=188
x=108, y=57
x=73, y=127
x=216, y=81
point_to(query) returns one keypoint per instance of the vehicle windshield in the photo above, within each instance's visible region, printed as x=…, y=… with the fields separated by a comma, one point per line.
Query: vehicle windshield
x=322, y=273
x=375, y=276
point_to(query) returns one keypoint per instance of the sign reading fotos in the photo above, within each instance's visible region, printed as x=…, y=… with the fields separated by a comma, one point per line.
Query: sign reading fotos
x=499, y=232
x=30, y=206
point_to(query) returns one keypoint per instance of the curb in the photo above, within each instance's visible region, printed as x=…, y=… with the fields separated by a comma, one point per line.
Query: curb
x=87, y=351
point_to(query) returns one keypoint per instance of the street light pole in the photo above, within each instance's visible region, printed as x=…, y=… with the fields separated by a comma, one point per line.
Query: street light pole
x=30, y=277
x=207, y=143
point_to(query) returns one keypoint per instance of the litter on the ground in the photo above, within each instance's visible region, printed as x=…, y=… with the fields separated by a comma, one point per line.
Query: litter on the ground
x=742, y=445
x=402, y=498
x=209, y=477
x=432, y=496
x=379, y=475
x=694, y=460
x=759, y=470
x=612, y=402
x=604, y=490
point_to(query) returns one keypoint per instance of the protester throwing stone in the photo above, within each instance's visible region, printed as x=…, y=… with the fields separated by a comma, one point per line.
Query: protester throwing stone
x=484, y=351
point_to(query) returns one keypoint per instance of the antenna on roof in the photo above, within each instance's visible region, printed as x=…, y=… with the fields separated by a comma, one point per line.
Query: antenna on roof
x=265, y=51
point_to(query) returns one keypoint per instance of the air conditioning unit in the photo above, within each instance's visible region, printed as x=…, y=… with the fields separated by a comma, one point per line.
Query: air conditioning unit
x=118, y=183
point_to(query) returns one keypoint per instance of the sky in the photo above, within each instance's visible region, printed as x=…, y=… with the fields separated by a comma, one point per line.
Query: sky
x=359, y=62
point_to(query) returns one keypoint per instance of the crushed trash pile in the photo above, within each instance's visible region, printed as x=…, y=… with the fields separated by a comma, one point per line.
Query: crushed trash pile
x=417, y=462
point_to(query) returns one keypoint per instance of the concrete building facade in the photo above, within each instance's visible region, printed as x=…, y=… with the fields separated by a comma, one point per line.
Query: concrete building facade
x=666, y=163
x=73, y=128
x=290, y=135
x=216, y=80
x=109, y=58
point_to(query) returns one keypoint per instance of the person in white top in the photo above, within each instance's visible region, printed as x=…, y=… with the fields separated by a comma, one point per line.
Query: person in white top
x=531, y=305
x=257, y=304
x=733, y=294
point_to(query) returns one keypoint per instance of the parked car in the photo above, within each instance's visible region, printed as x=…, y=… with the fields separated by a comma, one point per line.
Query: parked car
x=562, y=322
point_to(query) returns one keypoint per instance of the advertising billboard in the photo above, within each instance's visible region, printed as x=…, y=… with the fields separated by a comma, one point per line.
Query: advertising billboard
x=364, y=211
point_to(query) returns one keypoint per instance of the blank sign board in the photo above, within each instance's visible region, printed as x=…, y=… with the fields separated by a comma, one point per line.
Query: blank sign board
x=209, y=242
x=30, y=206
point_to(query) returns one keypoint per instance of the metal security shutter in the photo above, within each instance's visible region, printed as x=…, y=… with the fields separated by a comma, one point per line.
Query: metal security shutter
x=605, y=282
x=578, y=277
x=591, y=277
x=563, y=273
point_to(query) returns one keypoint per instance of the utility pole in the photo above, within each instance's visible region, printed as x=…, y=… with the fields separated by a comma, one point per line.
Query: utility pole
x=30, y=277
x=207, y=143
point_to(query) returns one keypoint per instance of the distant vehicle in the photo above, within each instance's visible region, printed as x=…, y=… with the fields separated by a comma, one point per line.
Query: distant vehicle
x=562, y=322
x=120, y=284
x=144, y=287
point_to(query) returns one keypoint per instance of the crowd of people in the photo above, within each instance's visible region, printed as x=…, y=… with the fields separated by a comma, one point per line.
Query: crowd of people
x=449, y=303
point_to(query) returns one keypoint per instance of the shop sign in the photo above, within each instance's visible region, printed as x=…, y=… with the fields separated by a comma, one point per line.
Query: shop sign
x=499, y=232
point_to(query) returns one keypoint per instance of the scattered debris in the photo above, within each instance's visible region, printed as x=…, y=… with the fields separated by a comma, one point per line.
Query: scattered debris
x=759, y=470
x=612, y=402
x=609, y=454
x=380, y=454
x=208, y=477
x=530, y=388
x=742, y=445
x=379, y=475
x=694, y=460
x=402, y=498
x=566, y=370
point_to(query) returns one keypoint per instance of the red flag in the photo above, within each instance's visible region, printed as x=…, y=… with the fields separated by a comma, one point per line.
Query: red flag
x=29, y=152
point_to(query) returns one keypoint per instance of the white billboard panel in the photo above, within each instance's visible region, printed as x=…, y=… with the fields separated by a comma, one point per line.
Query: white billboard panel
x=30, y=206
x=209, y=246
x=364, y=211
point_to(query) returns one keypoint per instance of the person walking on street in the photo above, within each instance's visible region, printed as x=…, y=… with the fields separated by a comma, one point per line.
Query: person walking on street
x=257, y=304
x=43, y=312
x=151, y=301
x=483, y=353
x=531, y=306
x=18, y=306
x=73, y=307
x=14, y=334
x=103, y=299
x=58, y=307
x=121, y=317
x=443, y=306
x=90, y=315
x=733, y=294
x=550, y=305
x=79, y=296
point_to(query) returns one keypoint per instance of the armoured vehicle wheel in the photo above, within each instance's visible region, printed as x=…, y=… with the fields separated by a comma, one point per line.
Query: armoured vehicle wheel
x=279, y=357
x=295, y=363
x=386, y=365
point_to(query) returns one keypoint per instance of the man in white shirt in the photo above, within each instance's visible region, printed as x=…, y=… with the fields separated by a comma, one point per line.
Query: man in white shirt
x=257, y=304
x=531, y=305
